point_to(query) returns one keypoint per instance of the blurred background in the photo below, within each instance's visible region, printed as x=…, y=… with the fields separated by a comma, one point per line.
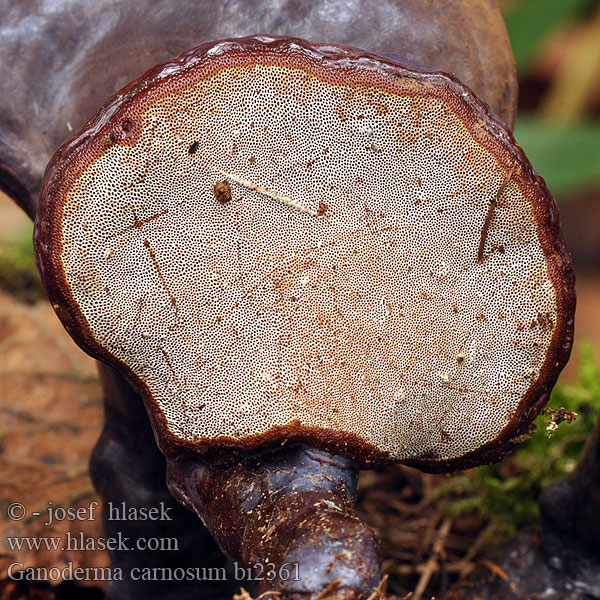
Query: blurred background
x=50, y=400
x=556, y=44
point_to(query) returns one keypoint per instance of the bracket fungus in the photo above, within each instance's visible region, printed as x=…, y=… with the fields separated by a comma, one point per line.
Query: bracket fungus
x=282, y=242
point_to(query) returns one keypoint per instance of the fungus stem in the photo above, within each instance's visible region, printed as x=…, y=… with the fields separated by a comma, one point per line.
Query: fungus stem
x=289, y=512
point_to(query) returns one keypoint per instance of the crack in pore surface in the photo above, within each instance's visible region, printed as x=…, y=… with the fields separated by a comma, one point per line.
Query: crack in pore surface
x=138, y=223
x=160, y=275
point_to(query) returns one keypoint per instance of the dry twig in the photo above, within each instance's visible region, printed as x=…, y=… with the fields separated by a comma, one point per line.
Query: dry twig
x=432, y=563
x=379, y=593
x=326, y=593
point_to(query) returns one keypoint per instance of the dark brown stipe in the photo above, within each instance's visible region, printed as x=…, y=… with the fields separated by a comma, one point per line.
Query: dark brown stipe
x=490, y=214
x=292, y=506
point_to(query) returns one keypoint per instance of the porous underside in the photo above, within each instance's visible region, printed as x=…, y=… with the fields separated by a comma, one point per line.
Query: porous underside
x=338, y=289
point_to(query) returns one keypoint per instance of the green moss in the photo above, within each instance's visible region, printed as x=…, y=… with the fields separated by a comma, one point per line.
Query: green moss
x=507, y=493
x=18, y=272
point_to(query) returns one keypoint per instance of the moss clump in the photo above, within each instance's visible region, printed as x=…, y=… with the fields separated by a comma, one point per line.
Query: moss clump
x=507, y=493
x=18, y=272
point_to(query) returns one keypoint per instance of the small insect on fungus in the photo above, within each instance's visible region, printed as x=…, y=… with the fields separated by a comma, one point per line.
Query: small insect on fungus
x=490, y=214
x=222, y=191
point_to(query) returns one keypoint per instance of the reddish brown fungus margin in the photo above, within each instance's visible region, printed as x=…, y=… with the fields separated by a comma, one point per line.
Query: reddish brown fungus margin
x=335, y=360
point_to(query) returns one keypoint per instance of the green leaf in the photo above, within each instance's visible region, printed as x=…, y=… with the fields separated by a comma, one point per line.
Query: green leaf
x=18, y=273
x=530, y=21
x=567, y=155
x=588, y=369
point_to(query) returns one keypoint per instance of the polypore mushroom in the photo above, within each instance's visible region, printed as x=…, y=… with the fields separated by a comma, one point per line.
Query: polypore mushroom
x=87, y=58
x=69, y=57
x=281, y=242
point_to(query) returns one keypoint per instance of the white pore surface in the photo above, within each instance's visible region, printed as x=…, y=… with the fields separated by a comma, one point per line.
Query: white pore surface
x=338, y=289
